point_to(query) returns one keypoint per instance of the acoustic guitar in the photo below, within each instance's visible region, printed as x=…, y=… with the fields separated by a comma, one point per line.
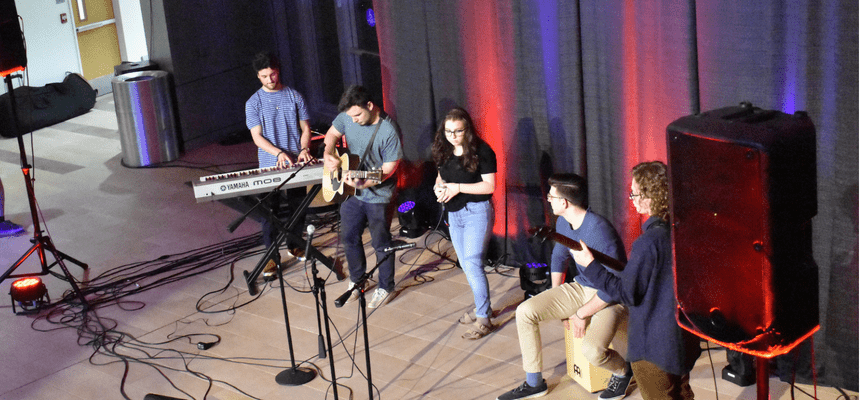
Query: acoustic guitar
x=333, y=187
x=545, y=232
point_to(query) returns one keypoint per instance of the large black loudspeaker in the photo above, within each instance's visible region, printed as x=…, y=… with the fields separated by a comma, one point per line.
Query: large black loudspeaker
x=743, y=189
x=12, y=55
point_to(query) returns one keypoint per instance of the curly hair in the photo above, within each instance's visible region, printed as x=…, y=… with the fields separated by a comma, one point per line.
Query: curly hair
x=654, y=184
x=265, y=60
x=443, y=149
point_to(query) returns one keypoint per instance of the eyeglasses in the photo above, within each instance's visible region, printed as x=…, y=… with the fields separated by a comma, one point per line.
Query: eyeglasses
x=633, y=196
x=549, y=197
x=458, y=132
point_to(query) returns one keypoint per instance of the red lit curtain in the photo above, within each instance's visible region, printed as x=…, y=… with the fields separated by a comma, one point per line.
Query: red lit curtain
x=590, y=86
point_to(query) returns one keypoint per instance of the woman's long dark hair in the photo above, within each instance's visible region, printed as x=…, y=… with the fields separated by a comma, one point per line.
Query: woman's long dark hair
x=443, y=150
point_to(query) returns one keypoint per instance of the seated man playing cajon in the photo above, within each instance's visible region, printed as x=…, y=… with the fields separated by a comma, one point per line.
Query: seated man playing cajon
x=577, y=301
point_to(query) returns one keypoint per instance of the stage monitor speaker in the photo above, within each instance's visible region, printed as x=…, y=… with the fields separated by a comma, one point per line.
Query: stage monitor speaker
x=743, y=187
x=13, y=57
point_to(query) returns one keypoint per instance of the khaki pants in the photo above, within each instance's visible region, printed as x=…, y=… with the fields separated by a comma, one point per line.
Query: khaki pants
x=656, y=384
x=560, y=303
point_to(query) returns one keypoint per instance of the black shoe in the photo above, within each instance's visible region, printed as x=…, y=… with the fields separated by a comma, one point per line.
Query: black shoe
x=617, y=388
x=525, y=391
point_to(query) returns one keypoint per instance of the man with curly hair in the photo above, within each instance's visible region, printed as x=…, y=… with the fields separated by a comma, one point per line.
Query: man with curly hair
x=661, y=353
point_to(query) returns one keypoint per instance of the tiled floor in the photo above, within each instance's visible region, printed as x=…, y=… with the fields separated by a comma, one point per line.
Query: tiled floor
x=110, y=216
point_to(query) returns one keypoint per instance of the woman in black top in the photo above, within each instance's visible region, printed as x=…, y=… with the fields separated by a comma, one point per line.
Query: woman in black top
x=466, y=180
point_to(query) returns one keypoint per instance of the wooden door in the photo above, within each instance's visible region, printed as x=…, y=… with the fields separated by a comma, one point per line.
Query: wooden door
x=97, y=40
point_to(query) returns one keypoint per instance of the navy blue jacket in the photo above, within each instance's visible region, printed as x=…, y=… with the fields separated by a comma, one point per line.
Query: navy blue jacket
x=647, y=288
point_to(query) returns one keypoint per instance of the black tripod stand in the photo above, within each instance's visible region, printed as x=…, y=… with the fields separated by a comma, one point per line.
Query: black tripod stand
x=41, y=243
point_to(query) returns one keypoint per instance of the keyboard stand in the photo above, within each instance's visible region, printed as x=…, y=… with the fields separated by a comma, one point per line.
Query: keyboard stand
x=286, y=231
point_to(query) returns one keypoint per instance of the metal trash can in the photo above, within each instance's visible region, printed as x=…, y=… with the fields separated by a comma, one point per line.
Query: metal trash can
x=144, y=114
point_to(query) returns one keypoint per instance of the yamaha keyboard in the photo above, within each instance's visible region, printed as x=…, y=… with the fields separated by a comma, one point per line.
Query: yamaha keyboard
x=253, y=181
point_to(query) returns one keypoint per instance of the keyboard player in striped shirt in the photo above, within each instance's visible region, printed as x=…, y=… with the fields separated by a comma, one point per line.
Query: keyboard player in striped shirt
x=278, y=120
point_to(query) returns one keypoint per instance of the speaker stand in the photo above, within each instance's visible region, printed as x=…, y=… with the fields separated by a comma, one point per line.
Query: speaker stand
x=762, y=371
x=41, y=243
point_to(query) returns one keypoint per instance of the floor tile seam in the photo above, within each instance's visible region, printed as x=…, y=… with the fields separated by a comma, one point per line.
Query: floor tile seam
x=445, y=374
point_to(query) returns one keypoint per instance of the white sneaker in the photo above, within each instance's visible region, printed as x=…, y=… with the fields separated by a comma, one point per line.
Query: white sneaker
x=354, y=295
x=379, y=298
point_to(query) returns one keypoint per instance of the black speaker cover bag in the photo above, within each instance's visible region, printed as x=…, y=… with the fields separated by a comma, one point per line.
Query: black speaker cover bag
x=47, y=105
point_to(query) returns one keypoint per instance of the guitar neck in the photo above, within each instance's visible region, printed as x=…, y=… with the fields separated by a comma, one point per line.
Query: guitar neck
x=600, y=257
x=364, y=174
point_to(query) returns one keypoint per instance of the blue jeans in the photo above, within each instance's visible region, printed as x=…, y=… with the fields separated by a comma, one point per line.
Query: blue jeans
x=355, y=215
x=470, y=232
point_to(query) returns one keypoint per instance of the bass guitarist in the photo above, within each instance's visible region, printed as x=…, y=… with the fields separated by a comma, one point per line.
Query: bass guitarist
x=375, y=137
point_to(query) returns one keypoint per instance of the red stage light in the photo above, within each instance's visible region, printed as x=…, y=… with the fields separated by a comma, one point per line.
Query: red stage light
x=30, y=293
x=11, y=71
x=28, y=289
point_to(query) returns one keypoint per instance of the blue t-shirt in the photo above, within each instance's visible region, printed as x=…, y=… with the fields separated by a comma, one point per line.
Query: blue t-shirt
x=386, y=148
x=598, y=234
x=278, y=114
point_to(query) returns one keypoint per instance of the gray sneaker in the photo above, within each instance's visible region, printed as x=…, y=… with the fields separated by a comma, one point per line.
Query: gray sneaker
x=379, y=298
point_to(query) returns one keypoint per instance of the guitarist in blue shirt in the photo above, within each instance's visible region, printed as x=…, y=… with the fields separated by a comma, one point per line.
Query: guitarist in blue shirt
x=375, y=137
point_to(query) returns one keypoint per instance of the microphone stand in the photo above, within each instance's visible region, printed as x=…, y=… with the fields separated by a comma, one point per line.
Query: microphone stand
x=362, y=303
x=291, y=376
x=320, y=298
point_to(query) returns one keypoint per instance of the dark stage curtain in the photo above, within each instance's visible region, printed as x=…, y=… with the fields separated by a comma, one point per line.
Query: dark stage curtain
x=590, y=87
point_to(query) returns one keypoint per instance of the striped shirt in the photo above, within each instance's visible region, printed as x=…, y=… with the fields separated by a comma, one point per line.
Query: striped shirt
x=278, y=113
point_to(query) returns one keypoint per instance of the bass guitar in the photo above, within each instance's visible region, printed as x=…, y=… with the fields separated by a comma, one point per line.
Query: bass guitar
x=545, y=232
x=333, y=187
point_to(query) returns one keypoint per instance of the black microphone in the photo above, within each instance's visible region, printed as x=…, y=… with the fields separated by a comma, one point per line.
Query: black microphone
x=205, y=345
x=340, y=301
x=398, y=245
x=235, y=224
x=153, y=396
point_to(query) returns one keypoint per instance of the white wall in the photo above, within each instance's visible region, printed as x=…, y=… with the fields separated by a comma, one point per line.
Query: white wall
x=132, y=37
x=52, y=48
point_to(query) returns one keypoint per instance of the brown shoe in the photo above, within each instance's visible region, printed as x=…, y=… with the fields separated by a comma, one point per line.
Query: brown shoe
x=477, y=331
x=297, y=252
x=468, y=318
x=270, y=272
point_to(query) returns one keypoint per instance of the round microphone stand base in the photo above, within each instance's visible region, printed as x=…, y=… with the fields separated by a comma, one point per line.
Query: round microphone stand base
x=295, y=376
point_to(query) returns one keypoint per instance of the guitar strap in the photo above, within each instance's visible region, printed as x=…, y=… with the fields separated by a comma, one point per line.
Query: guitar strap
x=369, y=145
